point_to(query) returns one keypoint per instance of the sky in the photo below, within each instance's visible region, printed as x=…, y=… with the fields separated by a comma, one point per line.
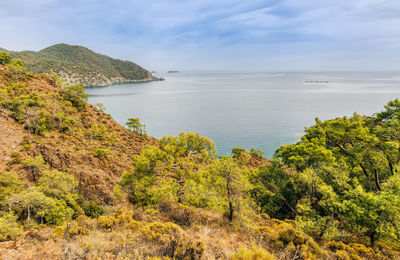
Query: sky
x=222, y=35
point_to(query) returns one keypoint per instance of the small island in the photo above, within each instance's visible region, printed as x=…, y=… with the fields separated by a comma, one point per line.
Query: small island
x=317, y=81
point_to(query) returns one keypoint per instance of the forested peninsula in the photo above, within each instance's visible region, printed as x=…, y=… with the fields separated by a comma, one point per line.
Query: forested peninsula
x=74, y=184
x=77, y=64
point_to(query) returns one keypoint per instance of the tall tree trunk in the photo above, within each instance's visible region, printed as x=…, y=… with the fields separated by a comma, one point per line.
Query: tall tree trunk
x=377, y=182
x=228, y=190
x=390, y=166
x=181, y=190
x=372, y=237
x=230, y=211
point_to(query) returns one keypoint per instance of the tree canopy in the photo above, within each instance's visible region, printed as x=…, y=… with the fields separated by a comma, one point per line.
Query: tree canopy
x=348, y=170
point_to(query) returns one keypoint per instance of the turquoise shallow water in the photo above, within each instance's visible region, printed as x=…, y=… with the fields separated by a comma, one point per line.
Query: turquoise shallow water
x=250, y=110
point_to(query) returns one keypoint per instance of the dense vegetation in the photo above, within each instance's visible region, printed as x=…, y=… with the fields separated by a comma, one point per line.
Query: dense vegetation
x=333, y=195
x=78, y=64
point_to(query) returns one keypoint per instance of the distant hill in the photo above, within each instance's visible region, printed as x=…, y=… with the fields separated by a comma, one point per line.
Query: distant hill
x=77, y=64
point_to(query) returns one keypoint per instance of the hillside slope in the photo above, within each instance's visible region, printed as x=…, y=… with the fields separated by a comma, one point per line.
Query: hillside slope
x=72, y=150
x=77, y=64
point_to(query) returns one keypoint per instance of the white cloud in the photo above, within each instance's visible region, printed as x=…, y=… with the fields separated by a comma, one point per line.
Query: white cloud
x=200, y=33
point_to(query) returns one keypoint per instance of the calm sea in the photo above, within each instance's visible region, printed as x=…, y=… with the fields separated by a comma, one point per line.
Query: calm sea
x=250, y=110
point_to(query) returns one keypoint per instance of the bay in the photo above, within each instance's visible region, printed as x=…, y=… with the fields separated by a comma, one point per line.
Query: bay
x=251, y=110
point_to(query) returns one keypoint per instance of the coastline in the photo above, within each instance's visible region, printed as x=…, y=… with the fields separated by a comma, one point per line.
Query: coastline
x=124, y=82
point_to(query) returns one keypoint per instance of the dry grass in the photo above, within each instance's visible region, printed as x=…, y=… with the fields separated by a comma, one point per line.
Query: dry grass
x=150, y=234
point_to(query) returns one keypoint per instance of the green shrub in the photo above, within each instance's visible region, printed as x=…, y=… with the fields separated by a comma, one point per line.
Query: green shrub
x=8, y=226
x=39, y=122
x=102, y=153
x=53, y=201
x=101, y=133
x=23, y=107
x=35, y=166
x=55, y=79
x=30, y=204
x=135, y=125
x=92, y=209
x=64, y=187
x=100, y=107
x=15, y=158
x=57, y=184
x=76, y=95
x=64, y=123
x=35, y=111
x=9, y=184
x=58, y=213
x=257, y=153
x=4, y=58
x=237, y=151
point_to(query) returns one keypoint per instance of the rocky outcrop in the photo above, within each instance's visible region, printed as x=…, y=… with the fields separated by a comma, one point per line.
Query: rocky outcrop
x=99, y=80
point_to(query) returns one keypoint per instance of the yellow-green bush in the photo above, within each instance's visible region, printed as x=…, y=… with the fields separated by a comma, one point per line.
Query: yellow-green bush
x=352, y=250
x=178, y=244
x=163, y=231
x=102, y=153
x=387, y=250
x=342, y=255
x=254, y=252
x=363, y=251
x=106, y=221
x=122, y=217
x=70, y=229
x=285, y=236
